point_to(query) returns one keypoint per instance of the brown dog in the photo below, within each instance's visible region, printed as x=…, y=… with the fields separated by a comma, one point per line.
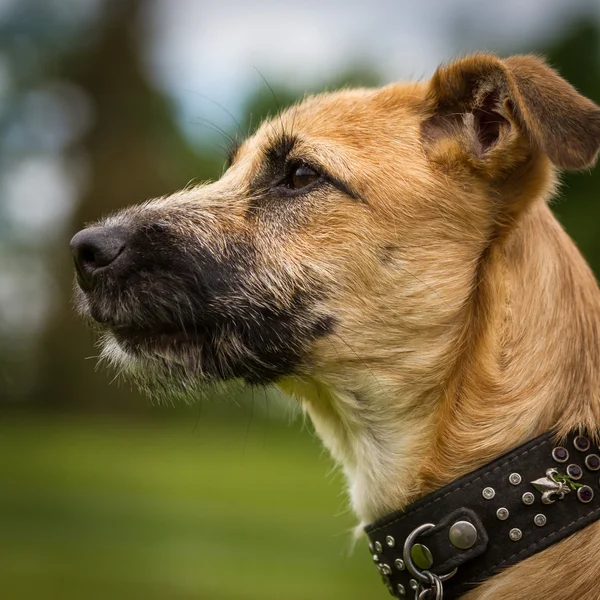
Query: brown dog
x=388, y=257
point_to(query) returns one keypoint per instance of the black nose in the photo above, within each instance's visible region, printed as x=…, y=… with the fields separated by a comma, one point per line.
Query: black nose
x=96, y=248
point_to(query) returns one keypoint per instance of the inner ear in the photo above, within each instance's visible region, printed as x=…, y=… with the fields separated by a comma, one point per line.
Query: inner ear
x=488, y=123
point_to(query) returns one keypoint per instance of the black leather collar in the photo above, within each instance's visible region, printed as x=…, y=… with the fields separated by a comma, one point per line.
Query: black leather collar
x=458, y=536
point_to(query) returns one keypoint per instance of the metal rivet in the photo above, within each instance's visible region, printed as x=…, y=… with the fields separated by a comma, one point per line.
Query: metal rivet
x=401, y=589
x=488, y=493
x=592, y=462
x=515, y=534
x=540, y=520
x=560, y=454
x=390, y=541
x=386, y=569
x=375, y=558
x=463, y=535
x=378, y=547
x=399, y=564
x=502, y=513
x=515, y=478
x=371, y=549
x=528, y=498
x=585, y=494
x=413, y=584
x=421, y=556
x=581, y=443
x=574, y=471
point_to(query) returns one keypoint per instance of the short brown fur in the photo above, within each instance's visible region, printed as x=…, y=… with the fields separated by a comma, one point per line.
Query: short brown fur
x=466, y=321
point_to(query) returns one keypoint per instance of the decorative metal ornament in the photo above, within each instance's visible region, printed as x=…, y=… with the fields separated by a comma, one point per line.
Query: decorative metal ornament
x=592, y=462
x=386, y=570
x=421, y=556
x=378, y=547
x=488, y=493
x=540, y=520
x=463, y=535
x=574, y=472
x=390, y=541
x=399, y=564
x=554, y=484
x=401, y=590
x=585, y=494
x=515, y=534
x=413, y=584
x=515, y=478
x=528, y=498
x=560, y=454
x=502, y=513
x=581, y=443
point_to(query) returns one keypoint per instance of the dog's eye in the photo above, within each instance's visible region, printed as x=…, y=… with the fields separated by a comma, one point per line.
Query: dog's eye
x=302, y=176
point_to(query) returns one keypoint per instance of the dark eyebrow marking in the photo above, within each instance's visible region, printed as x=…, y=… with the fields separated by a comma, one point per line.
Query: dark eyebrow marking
x=279, y=149
x=277, y=153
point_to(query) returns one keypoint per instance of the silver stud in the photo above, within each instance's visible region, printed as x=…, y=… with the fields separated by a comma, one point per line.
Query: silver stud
x=515, y=534
x=390, y=541
x=560, y=454
x=585, y=494
x=421, y=556
x=462, y=535
x=574, y=472
x=592, y=462
x=386, y=569
x=401, y=589
x=488, y=493
x=540, y=520
x=399, y=564
x=502, y=513
x=378, y=547
x=375, y=558
x=413, y=584
x=581, y=443
x=528, y=498
x=371, y=549
x=515, y=478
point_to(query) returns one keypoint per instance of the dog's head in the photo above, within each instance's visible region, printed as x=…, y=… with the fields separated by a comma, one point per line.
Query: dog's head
x=346, y=235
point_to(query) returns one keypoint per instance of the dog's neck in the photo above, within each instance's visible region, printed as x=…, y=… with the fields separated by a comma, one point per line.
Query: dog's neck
x=531, y=361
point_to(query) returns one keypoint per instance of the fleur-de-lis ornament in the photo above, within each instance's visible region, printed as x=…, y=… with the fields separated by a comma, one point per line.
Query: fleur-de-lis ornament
x=554, y=484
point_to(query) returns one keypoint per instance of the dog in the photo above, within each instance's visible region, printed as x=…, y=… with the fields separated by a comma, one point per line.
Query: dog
x=387, y=257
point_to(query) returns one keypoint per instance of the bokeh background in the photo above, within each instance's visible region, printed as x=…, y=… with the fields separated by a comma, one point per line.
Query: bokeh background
x=104, y=103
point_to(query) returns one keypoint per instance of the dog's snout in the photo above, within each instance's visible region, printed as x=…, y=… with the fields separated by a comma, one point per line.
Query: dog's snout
x=94, y=249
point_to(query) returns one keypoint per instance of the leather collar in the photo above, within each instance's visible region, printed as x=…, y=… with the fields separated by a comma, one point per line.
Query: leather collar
x=449, y=541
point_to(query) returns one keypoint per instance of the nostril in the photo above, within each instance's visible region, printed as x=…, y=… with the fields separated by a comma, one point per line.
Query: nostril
x=87, y=255
x=96, y=248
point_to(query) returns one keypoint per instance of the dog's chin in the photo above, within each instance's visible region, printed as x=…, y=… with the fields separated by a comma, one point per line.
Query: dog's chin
x=162, y=365
x=168, y=363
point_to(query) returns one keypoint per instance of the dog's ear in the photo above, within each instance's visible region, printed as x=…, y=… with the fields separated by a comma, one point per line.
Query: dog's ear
x=501, y=110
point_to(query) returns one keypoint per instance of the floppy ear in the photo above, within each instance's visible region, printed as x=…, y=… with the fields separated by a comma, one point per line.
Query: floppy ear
x=501, y=110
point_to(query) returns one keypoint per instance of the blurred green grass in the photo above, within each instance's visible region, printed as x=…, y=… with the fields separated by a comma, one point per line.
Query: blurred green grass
x=94, y=509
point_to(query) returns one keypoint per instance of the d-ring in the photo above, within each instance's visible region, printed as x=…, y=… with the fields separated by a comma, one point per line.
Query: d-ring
x=422, y=576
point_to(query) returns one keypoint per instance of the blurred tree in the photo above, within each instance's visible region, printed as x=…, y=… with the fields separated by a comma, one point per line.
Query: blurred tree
x=133, y=151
